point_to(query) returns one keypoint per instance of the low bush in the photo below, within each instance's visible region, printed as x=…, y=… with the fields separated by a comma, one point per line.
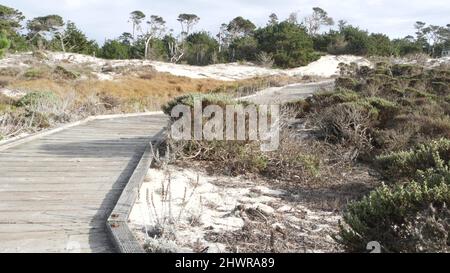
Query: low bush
x=406, y=70
x=441, y=88
x=385, y=109
x=61, y=72
x=410, y=103
x=241, y=156
x=34, y=99
x=406, y=218
x=380, y=79
x=324, y=99
x=291, y=161
x=347, y=83
x=412, y=92
x=34, y=73
x=405, y=164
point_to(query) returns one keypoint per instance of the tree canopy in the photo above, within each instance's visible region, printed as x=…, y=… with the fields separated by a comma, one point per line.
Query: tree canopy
x=10, y=19
x=288, y=42
x=296, y=40
x=239, y=27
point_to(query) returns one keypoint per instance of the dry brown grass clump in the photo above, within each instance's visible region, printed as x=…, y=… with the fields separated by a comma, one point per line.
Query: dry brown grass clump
x=144, y=91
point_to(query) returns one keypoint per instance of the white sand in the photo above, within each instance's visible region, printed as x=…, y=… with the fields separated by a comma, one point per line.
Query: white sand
x=326, y=66
x=438, y=62
x=191, y=208
x=12, y=93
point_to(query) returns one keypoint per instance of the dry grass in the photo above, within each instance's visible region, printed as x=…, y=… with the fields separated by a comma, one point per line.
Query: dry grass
x=127, y=89
x=150, y=90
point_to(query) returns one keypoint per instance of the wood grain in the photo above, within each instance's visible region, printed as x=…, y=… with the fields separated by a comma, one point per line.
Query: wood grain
x=58, y=188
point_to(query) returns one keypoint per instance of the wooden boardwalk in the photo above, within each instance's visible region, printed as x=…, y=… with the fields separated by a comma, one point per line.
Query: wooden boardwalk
x=57, y=191
x=279, y=95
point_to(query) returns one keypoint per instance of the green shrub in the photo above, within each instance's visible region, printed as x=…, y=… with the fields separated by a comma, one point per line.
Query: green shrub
x=441, y=88
x=406, y=70
x=385, y=108
x=4, y=44
x=418, y=93
x=379, y=79
x=408, y=218
x=365, y=71
x=34, y=99
x=64, y=73
x=346, y=82
x=376, y=108
x=405, y=164
x=383, y=68
x=364, y=107
x=311, y=163
x=242, y=157
x=389, y=90
x=34, y=73
x=328, y=98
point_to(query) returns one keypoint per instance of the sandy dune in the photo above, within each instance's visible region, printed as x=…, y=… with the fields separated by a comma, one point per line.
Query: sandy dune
x=326, y=66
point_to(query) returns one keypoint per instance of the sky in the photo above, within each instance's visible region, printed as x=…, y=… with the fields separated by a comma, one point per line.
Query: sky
x=103, y=19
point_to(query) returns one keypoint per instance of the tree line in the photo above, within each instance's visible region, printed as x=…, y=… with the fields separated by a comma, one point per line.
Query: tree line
x=284, y=43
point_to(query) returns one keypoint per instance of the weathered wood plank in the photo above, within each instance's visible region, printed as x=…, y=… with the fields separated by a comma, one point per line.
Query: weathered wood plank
x=55, y=241
x=68, y=215
x=60, y=187
x=61, y=165
x=57, y=187
x=65, y=179
x=96, y=173
x=110, y=197
x=49, y=227
x=44, y=158
x=50, y=205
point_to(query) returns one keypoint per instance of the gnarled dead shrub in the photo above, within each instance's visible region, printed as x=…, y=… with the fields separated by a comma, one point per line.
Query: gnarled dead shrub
x=345, y=124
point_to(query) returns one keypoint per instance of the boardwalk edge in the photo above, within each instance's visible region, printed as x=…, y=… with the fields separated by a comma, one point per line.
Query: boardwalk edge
x=117, y=223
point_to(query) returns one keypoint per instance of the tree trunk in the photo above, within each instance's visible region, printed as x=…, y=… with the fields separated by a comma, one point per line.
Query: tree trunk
x=61, y=38
x=147, y=43
x=40, y=44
